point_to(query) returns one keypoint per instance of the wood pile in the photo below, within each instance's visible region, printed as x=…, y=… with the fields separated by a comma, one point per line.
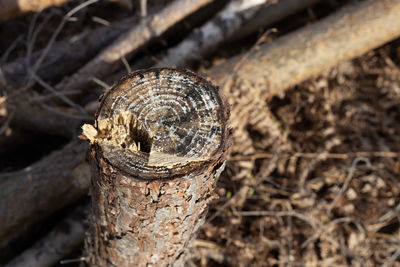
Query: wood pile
x=313, y=173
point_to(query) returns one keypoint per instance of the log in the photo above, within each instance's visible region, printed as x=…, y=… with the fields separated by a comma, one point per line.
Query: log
x=32, y=194
x=206, y=38
x=291, y=59
x=270, y=14
x=10, y=9
x=237, y=19
x=109, y=60
x=157, y=148
x=57, y=244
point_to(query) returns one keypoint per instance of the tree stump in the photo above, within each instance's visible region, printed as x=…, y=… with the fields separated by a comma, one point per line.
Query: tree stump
x=157, y=147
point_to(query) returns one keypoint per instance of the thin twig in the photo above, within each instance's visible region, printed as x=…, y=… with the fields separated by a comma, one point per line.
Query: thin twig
x=347, y=181
x=10, y=116
x=277, y=214
x=126, y=64
x=58, y=30
x=58, y=94
x=101, y=83
x=10, y=49
x=143, y=8
x=343, y=156
x=54, y=110
x=323, y=229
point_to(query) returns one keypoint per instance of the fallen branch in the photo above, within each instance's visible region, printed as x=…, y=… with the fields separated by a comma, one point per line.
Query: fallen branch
x=46, y=186
x=205, y=39
x=270, y=14
x=12, y=8
x=129, y=43
x=57, y=244
x=237, y=19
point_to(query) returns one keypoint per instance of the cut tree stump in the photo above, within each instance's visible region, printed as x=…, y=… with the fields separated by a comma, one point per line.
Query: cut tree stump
x=158, y=145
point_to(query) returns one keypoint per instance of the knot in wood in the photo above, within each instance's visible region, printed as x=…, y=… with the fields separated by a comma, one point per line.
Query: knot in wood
x=161, y=123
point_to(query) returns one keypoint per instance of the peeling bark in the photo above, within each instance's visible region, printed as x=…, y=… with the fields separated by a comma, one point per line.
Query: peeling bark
x=148, y=203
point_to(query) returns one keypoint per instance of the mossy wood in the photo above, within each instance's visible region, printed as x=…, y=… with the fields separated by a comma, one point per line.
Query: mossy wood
x=157, y=147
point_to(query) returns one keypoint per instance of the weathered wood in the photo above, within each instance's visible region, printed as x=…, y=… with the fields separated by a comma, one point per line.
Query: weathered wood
x=57, y=244
x=12, y=8
x=237, y=19
x=29, y=195
x=270, y=14
x=205, y=39
x=129, y=43
x=350, y=32
x=157, y=148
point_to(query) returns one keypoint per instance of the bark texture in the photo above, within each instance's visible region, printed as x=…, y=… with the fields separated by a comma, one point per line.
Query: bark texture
x=150, y=189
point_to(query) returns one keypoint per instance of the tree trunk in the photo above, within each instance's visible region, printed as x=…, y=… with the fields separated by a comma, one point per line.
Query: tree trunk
x=157, y=148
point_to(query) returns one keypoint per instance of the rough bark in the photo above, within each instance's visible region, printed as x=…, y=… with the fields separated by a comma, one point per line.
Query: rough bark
x=157, y=149
x=129, y=43
x=46, y=186
x=12, y=8
x=57, y=244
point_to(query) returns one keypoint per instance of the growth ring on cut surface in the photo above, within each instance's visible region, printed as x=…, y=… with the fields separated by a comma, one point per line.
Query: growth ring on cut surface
x=161, y=123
